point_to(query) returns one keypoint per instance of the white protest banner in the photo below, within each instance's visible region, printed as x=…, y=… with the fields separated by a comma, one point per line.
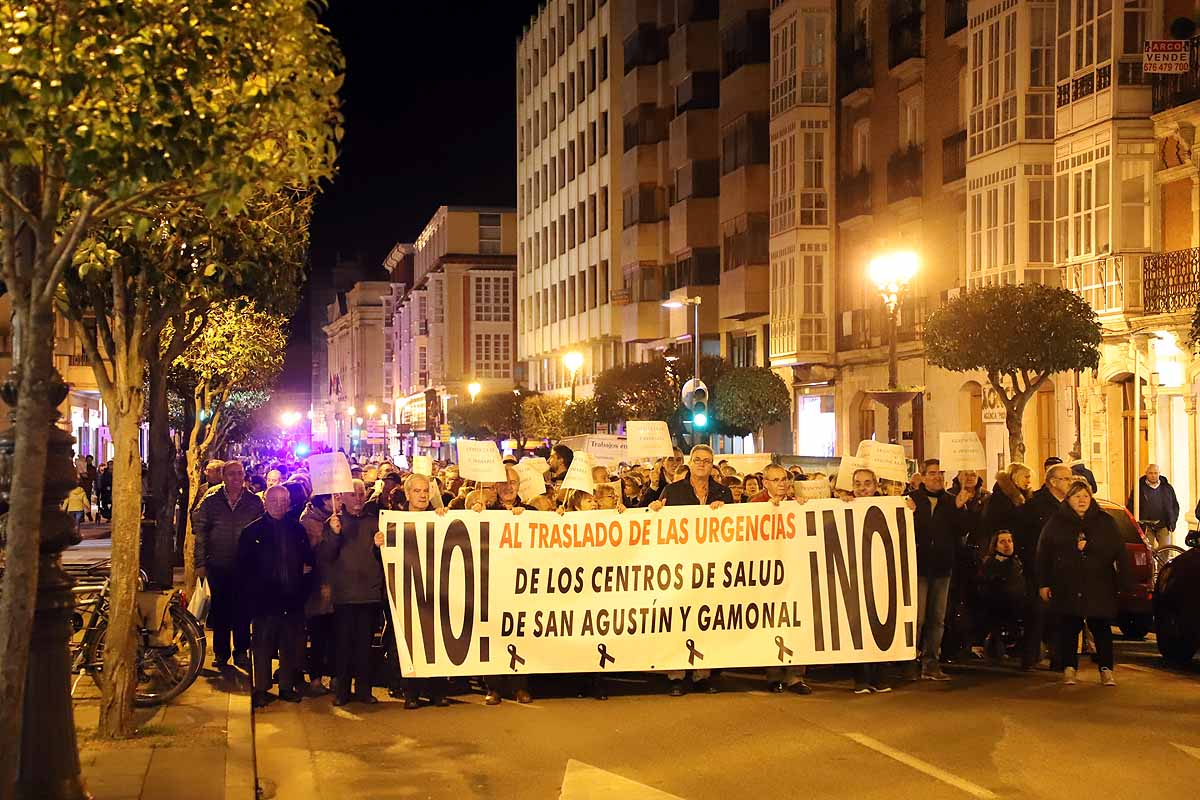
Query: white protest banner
x=402, y=461
x=887, y=460
x=533, y=482
x=959, y=451
x=646, y=440
x=814, y=490
x=845, y=473
x=422, y=465
x=606, y=449
x=579, y=476
x=330, y=473
x=746, y=463
x=748, y=585
x=480, y=461
x=538, y=463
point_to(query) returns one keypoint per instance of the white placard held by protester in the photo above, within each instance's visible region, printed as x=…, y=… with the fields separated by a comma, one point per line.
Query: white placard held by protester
x=422, y=465
x=887, y=460
x=579, y=476
x=646, y=440
x=845, y=474
x=330, y=473
x=606, y=449
x=538, y=463
x=959, y=451
x=480, y=461
x=747, y=463
x=533, y=482
x=814, y=490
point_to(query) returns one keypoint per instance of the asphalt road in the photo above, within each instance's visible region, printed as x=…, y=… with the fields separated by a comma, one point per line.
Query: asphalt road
x=988, y=733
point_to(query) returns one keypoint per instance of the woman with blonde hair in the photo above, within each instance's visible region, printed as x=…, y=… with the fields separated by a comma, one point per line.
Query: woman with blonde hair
x=1005, y=504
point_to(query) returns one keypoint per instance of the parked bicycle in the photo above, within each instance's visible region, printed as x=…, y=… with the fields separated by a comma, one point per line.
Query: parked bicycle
x=170, y=648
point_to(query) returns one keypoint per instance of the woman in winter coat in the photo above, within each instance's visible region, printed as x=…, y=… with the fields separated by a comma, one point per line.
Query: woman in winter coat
x=318, y=608
x=1081, y=565
x=1012, y=489
x=1001, y=590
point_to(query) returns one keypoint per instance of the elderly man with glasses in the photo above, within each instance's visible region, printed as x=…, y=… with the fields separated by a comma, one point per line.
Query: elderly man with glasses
x=1033, y=517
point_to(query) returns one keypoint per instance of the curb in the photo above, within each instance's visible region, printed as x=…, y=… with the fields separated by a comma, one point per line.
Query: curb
x=241, y=772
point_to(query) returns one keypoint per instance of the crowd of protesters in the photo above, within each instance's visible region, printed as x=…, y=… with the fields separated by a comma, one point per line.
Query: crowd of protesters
x=1014, y=574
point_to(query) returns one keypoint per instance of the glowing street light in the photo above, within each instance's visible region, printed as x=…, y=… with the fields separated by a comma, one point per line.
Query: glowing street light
x=573, y=361
x=474, y=389
x=349, y=411
x=289, y=418
x=371, y=409
x=892, y=273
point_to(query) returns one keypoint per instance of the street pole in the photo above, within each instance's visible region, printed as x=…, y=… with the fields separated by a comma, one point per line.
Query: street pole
x=1137, y=433
x=49, y=764
x=696, y=359
x=893, y=373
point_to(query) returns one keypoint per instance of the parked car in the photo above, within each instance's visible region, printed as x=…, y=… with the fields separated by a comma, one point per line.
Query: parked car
x=1135, y=609
x=1177, y=607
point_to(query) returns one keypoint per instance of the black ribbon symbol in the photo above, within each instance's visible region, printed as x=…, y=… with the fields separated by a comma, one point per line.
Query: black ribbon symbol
x=516, y=659
x=604, y=656
x=693, y=653
x=782, y=647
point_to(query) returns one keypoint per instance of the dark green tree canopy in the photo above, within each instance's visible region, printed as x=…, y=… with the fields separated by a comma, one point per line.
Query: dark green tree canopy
x=749, y=398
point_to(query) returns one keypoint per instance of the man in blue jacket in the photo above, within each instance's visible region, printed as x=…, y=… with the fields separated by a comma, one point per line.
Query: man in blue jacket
x=1159, y=507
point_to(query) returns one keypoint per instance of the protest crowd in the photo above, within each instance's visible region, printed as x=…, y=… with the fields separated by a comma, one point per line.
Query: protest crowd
x=1016, y=576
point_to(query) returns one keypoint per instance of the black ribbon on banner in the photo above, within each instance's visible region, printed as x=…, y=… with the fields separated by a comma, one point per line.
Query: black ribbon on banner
x=604, y=656
x=693, y=653
x=516, y=659
x=783, y=649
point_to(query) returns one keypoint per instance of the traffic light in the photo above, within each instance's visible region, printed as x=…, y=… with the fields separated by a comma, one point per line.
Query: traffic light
x=700, y=407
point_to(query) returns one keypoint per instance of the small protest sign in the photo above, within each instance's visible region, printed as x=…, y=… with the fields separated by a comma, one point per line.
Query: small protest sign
x=422, y=465
x=959, y=451
x=579, y=476
x=887, y=460
x=330, y=473
x=813, y=490
x=538, y=463
x=646, y=440
x=480, y=461
x=533, y=482
x=845, y=474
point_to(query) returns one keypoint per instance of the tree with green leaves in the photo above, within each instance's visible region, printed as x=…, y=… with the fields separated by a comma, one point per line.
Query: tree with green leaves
x=749, y=398
x=111, y=108
x=496, y=416
x=580, y=417
x=543, y=415
x=226, y=373
x=1018, y=335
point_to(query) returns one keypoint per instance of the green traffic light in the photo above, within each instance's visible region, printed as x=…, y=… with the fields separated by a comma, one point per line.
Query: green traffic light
x=700, y=419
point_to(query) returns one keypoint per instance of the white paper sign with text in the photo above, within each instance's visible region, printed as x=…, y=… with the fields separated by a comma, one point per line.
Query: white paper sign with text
x=330, y=473
x=422, y=465
x=747, y=585
x=646, y=440
x=579, y=476
x=533, y=482
x=887, y=460
x=959, y=451
x=480, y=461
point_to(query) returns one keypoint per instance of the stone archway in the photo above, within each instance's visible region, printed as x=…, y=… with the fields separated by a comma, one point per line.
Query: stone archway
x=970, y=409
x=863, y=420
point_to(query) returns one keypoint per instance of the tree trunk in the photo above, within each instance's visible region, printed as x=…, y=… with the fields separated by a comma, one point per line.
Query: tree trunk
x=1015, y=422
x=196, y=455
x=120, y=648
x=22, y=524
x=164, y=483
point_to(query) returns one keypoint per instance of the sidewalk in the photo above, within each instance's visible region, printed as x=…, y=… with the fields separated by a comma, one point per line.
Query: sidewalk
x=199, y=747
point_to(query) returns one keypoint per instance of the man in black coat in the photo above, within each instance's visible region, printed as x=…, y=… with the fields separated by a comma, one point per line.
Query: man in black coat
x=935, y=532
x=1042, y=505
x=274, y=558
x=699, y=489
x=1159, y=506
x=357, y=579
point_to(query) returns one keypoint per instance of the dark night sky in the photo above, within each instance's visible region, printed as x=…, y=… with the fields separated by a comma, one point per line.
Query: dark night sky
x=430, y=121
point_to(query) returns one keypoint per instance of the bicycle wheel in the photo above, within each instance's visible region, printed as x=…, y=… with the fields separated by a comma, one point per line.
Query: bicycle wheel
x=1164, y=554
x=165, y=672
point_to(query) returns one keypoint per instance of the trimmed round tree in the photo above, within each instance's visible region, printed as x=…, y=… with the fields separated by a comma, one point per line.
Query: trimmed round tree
x=749, y=398
x=1019, y=336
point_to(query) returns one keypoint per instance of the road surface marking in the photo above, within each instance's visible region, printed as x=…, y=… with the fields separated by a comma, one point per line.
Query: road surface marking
x=338, y=711
x=584, y=782
x=940, y=774
x=1194, y=752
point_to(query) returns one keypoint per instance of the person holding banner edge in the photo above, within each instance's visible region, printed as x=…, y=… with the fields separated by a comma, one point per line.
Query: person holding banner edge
x=698, y=489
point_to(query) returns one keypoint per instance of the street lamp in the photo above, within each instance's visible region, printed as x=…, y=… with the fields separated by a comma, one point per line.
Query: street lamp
x=892, y=273
x=573, y=361
x=473, y=389
x=371, y=409
x=701, y=419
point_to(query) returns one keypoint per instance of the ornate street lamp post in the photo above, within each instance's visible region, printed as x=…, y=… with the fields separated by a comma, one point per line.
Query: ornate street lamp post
x=892, y=273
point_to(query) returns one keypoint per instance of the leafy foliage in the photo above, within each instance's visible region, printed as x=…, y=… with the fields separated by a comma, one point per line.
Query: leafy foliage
x=749, y=398
x=580, y=417
x=636, y=391
x=240, y=349
x=1019, y=335
x=496, y=416
x=543, y=415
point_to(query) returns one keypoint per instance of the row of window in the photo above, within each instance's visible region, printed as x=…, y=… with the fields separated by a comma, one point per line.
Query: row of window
x=570, y=93
x=581, y=292
x=799, y=183
x=806, y=37
x=587, y=219
x=799, y=322
x=493, y=355
x=555, y=45
x=569, y=163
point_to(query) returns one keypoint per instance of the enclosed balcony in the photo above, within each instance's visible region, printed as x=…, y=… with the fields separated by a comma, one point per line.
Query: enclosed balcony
x=956, y=22
x=1111, y=284
x=905, y=170
x=1171, y=281
x=906, y=53
x=954, y=157
x=856, y=75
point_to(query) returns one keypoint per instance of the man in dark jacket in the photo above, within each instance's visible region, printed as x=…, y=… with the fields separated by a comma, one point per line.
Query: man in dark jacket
x=700, y=488
x=218, y=523
x=1079, y=468
x=933, y=520
x=1042, y=505
x=357, y=579
x=274, y=559
x=1159, y=507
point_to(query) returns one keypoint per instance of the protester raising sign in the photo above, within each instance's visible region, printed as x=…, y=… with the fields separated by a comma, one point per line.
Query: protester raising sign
x=824, y=582
x=579, y=476
x=480, y=461
x=887, y=461
x=646, y=440
x=533, y=482
x=959, y=451
x=423, y=465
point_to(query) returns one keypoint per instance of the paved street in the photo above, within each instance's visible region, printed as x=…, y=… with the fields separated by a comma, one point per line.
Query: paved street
x=989, y=733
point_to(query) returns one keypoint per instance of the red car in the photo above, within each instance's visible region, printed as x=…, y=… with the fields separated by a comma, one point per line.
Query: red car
x=1135, y=614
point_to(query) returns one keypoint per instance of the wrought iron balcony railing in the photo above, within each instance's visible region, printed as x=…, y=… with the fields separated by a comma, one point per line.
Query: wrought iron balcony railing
x=1171, y=281
x=1169, y=91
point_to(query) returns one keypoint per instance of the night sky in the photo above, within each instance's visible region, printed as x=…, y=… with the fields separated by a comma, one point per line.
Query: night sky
x=430, y=121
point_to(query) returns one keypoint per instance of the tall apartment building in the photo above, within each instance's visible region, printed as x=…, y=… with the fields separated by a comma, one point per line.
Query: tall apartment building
x=568, y=181
x=457, y=325
x=679, y=160
x=353, y=334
